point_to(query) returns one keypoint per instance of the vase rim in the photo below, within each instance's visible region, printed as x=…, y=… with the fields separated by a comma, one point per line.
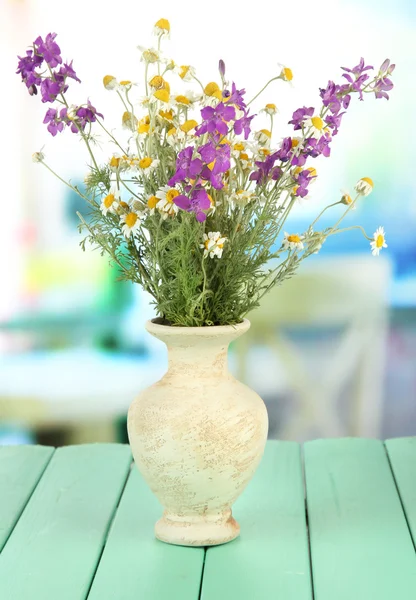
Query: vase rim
x=207, y=330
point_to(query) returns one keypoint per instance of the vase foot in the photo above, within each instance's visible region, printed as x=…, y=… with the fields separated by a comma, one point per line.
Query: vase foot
x=203, y=530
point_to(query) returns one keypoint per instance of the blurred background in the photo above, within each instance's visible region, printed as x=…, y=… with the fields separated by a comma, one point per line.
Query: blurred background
x=333, y=352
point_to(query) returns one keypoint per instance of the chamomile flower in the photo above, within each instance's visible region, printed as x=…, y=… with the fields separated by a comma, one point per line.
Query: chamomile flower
x=263, y=137
x=286, y=74
x=188, y=126
x=149, y=55
x=131, y=223
x=166, y=204
x=115, y=162
x=212, y=90
x=185, y=100
x=38, y=157
x=213, y=244
x=346, y=198
x=162, y=27
x=316, y=125
x=379, y=241
x=364, y=186
x=152, y=203
x=125, y=85
x=129, y=121
x=270, y=109
x=242, y=197
x=147, y=164
x=186, y=72
x=293, y=241
x=110, y=82
x=111, y=201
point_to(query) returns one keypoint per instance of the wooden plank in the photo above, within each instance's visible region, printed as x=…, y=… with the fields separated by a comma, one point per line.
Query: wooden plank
x=361, y=548
x=270, y=559
x=21, y=467
x=402, y=454
x=136, y=566
x=54, y=549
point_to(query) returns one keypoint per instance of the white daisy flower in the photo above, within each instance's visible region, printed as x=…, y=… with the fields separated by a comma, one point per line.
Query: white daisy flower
x=185, y=72
x=165, y=204
x=316, y=125
x=379, y=241
x=110, y=82
x=270, y=109
x=286, y=73
x=185, y=100
x=38, y=157
x=293, y=241
x=125, y=85
x=213, y=244
x=263, y=137
x=364, y=186
x=242, y=197
x=147, y=164
x=149, y=55
x=110, y=203
x=131, y=223
x=346, y=198
x=162, y=27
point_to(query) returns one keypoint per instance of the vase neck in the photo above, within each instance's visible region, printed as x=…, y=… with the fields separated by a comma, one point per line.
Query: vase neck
x=205, y=358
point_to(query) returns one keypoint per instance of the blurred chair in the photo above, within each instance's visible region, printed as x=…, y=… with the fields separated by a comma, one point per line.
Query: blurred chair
x=348, y=297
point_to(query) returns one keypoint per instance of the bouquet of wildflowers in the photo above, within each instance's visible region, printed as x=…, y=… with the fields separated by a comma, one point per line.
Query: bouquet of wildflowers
x=192, y=204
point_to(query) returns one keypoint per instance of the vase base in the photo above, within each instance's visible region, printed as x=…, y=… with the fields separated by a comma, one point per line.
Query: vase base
x=206, y=530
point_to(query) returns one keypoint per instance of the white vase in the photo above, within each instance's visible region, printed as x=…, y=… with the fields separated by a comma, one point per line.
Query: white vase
x=197, y=435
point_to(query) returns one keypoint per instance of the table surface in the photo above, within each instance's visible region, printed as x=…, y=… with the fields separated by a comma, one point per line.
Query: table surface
x=77, y=523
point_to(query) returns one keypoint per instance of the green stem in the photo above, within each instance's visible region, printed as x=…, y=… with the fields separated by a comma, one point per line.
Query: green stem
x=262, y=89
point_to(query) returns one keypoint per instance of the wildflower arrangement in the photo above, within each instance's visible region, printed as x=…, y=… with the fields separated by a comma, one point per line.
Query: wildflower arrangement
x=193, y=202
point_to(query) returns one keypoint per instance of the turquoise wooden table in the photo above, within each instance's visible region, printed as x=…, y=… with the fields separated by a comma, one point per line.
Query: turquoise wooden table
x=77, y=523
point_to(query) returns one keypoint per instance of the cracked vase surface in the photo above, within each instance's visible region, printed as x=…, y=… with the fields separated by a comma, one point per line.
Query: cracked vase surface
x=197, y=435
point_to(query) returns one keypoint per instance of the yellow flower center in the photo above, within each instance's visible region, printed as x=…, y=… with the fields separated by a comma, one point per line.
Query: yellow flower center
x=264, y=151
x=152, y=201
x=212, y=89
x=294, y=143
x=171, y=131
x=380, y=240
x=211, y=165
x=145, y=162
x=211, y=199
x=125, y=82
x=184, y=70
x=162, y=95
x=206, y=244
x=271, y=106
x=182, y=100
x=287, y=74
x=317, y=123
x=150, y=55
x=171, y=194
x=243, y=156
x=346, y=198
x=188, y=125
x=114, y=162
x=108, y=200
x=312, y=171
x=163, y=24
x=131, y=220
x=166, y=114
x=239, y=147
x=294, y=238
x=156, y=82
x=143, y=128
x=368, y=180
x=124, y=204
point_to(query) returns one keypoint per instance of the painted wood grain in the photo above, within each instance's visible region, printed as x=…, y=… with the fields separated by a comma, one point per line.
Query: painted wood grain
x=21, y=467
x=361, y=547
x=136, y=566
x=270, y=559
x=54, y=549
x=402, y=454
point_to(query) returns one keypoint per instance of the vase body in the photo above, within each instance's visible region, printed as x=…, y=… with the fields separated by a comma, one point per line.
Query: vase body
x=197, y=435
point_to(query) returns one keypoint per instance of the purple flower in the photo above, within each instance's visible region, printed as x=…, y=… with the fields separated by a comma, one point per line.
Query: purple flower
x=221, y=68
x=356, y=76
x=87, y=114
x=55, y=122
x=186, y=166
x=215, y=119
x=235, y=97
x=266, y=170
x=285, y=150
x=303, y=179
x=315, y=147
x=220, y=157
x=383, y=84
x=196, y=203
x=68, y=71
x=243, y=124
x=300, y=115
x=334, y=121
x=48, y=49
x=386, y=68
x=26, y=68
x=50, y=89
